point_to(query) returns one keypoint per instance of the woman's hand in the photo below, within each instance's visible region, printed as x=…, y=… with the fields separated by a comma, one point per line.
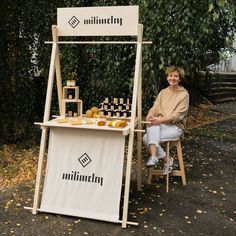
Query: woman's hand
x=152, y=120
x=149, y=117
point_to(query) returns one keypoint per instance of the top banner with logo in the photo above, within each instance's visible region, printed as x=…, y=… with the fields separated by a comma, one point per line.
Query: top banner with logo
x=98, y=21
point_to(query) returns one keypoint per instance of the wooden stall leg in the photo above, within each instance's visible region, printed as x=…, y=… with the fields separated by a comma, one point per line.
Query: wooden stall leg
x=57, y=68
x=40, y=169
x=139, y=162
x=132, y=125
x=44, y=129
x=139, y=113
x=59, y=81
x=127, y=180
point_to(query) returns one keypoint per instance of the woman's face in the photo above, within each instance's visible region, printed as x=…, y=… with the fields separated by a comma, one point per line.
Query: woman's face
x=173, y=78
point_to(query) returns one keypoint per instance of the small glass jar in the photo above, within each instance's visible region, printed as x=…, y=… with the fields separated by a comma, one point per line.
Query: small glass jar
x=115, y=100
x=121, y=100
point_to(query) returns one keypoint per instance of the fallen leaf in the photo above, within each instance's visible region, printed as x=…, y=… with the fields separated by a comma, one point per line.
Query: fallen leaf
x=199, y=211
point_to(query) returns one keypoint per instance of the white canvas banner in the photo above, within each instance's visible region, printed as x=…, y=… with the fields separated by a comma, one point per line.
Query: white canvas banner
x=97, y=21
x=84, y=173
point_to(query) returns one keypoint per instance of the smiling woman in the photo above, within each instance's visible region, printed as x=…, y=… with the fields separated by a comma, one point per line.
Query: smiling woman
x=167, y=118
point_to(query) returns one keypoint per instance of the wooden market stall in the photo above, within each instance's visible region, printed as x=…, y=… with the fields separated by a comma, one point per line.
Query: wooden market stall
x=90, y=145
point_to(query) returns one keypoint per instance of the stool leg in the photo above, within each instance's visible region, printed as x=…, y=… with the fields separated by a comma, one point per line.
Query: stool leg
x=181, y=163
x=150, y=175
x=168, y=165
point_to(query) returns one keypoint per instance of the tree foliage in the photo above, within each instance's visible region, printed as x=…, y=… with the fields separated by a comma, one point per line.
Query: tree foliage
x=188, y=33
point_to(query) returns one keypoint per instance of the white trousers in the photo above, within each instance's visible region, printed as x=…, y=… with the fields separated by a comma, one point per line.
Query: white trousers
x=159, y=133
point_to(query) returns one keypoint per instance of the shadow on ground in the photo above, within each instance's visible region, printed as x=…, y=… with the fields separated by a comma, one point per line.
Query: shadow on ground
x=205, y=206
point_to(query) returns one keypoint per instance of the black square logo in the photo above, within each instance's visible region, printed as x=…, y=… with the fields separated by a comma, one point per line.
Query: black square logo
x=73, y=21
x=84, y=160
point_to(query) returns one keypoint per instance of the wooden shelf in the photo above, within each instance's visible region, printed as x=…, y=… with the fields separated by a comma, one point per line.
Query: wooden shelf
x=72, y=100
x=67, y=88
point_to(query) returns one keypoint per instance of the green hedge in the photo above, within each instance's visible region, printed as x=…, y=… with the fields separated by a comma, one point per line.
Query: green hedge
x=188, y=33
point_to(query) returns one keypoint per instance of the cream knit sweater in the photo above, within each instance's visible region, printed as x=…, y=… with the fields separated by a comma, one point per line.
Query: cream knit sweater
x=174, y=104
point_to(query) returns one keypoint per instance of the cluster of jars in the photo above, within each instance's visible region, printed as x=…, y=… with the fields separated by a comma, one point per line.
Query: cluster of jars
x=118, y=107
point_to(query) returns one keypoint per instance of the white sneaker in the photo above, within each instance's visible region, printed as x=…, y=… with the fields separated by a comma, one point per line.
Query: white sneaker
x=171, y=164
x=152, y=161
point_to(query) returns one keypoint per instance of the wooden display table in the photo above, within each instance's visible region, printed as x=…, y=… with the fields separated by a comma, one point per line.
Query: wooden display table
x=84, y=170
x=54, y=123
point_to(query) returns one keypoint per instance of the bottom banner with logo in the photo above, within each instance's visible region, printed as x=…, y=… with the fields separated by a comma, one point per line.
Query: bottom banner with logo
x=84, y=173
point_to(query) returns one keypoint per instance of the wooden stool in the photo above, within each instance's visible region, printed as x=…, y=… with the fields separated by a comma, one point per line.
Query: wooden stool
x=170, y=143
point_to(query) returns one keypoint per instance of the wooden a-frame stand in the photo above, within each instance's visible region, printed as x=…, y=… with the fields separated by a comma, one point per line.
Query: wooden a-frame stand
x=136, y=103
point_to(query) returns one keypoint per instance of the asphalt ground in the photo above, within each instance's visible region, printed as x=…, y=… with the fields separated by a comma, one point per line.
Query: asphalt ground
x=205, y=206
